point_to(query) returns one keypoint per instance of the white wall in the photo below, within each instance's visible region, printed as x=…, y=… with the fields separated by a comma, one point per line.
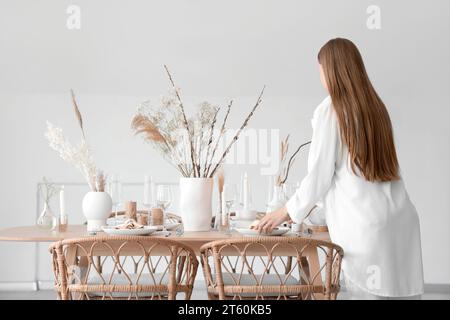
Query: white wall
x=217, y=50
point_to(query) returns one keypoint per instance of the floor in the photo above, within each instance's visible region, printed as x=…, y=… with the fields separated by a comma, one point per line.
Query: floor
x=198, y=294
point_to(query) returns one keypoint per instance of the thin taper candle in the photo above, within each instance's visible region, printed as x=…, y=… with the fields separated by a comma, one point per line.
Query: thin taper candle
x=62, y=202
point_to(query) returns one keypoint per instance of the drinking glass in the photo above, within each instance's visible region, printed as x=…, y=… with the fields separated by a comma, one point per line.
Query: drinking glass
x=115, y=191
x=230, y=195
x=164, y=199
x=149, y=196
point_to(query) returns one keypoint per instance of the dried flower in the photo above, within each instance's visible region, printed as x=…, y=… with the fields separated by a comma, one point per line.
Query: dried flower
x=80, y=155
x=143, y=124
x=47, y=190
x=189, y=144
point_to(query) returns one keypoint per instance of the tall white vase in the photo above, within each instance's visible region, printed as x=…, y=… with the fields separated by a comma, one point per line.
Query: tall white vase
x=196, y=203
x=97, y=207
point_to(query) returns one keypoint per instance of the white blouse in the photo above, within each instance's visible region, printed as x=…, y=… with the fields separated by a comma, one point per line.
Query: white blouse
x=374, y=222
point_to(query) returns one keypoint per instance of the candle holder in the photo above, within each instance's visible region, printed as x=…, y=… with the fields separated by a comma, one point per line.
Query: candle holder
x=63, y=223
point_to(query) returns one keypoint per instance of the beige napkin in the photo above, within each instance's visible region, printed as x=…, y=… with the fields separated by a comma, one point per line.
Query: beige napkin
x=129, y=224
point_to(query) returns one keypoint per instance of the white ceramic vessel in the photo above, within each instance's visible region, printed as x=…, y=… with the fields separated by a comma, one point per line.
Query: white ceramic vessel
x=97, y=208
x=196, y=203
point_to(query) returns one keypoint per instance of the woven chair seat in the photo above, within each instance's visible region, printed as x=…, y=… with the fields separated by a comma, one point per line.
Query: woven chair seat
x=235, y=279
x=145, y=279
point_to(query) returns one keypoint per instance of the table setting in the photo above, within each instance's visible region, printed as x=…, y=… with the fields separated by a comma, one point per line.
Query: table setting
x=196, y=146
x=211, y=206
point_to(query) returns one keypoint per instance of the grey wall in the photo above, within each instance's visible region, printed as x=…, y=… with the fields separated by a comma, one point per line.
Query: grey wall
x=217, y=50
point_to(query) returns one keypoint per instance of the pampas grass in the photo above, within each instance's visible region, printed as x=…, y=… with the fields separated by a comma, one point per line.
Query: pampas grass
x=143, y=125
x=80, y=155
x=100, y=181
x=77, y=113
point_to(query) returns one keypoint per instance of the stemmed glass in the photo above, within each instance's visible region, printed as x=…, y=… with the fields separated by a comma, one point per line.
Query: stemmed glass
x=149, y=196
x=230, y=191
x=115, y=191
x=164, y=199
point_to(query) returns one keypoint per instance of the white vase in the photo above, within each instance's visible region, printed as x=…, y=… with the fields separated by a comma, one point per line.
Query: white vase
x=278, y=199
x=196, y=203
x=97, y=208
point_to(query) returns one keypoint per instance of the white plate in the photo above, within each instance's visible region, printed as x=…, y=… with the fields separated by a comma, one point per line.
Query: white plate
x=169, y=225
x=250, y=232
x=130, y=232
x=239, y=223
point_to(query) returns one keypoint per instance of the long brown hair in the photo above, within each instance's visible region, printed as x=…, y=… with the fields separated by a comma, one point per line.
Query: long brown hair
x=365, y=126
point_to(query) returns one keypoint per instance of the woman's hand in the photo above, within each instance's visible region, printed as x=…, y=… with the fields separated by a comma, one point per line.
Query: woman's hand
x=272, y=220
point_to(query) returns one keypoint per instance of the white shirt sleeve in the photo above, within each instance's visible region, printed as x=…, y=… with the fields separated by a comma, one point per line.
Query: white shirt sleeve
x=321, y=162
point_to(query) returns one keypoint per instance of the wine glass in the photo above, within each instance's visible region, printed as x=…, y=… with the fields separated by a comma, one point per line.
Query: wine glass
x=115, y=191
x=149, y=196
x=230, y=194
x=164, y=199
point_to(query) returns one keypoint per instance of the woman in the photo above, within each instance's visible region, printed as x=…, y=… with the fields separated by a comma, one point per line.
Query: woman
x=353, y=171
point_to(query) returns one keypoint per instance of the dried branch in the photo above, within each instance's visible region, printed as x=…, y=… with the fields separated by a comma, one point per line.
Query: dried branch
x=77, y=113
x=291, y=160
x=185, y=121
x=236, y=137
x=210, y=141
x=222, y=131
x=284, y=147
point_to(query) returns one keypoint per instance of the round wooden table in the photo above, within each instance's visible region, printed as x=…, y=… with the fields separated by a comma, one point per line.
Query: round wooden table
x=193, y=239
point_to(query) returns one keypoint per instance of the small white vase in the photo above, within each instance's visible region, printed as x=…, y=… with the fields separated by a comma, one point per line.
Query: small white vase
x=97, y=208
x=278, y=199
x=196, y=203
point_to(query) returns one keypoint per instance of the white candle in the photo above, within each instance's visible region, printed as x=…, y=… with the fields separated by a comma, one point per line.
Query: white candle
x=62, y=202
x=245, y=191
x=224, y=206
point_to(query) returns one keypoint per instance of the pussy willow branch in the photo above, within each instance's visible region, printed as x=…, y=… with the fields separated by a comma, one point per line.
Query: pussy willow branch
x=235, y=138
x=292, y=159
x=222, y=130
x=185, y=121
x=210, y=141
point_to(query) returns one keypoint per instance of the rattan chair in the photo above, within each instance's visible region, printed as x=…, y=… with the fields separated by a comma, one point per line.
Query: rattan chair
x=271, y=268
x=123, y=267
